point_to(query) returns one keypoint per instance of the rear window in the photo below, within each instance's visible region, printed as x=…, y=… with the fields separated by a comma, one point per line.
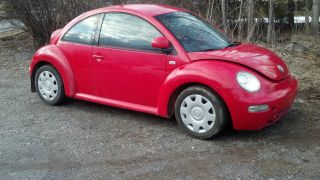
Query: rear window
x=83, y=32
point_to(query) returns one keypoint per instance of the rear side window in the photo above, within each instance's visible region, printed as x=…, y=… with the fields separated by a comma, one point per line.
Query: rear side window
x=83, y=32
x=128, y=32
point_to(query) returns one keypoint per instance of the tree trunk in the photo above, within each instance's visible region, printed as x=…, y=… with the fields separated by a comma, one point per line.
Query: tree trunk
x=307, y=20
x=240, y=21
x=270, y=23
x=315, y=17
x=116, y=2
x=224, y=17
x=250, y=7
x=291, y=9
x=210, y=9
x=295, y=31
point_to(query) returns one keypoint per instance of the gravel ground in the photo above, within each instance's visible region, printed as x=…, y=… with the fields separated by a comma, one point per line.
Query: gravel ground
x=81, y=140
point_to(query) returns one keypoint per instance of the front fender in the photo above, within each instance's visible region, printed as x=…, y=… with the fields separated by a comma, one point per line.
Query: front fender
x=218, y=75
x=53, y=55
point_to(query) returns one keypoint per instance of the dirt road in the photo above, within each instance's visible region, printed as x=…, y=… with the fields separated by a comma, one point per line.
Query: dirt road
x=81, y=140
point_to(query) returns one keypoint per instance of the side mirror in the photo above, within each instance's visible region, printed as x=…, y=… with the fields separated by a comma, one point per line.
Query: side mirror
x=160, y=42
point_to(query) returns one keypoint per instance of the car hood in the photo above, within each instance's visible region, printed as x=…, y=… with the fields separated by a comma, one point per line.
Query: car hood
x=257, y=58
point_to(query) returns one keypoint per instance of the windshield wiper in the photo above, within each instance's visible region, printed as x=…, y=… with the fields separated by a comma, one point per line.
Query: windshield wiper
x=233, y=44
x=212, y=49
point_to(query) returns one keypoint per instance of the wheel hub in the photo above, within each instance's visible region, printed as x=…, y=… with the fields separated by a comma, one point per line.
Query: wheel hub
x=197, y=113
x=48, y=86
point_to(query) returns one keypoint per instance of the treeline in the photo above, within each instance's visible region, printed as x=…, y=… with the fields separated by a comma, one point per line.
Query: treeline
x=242, y=20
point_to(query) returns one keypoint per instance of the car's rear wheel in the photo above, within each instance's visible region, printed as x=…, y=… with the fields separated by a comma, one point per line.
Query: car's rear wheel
x=200, y=112
x=49, y=85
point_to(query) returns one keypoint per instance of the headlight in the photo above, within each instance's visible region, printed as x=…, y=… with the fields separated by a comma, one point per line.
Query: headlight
x=248, y=81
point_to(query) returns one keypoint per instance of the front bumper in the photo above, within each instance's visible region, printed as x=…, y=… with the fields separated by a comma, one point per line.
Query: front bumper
x=278, y=96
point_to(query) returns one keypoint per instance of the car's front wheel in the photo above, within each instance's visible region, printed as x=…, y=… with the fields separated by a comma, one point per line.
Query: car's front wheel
x=49, y=85
x=200, y=112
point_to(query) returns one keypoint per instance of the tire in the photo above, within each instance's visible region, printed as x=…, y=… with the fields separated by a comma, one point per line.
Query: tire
x=49, y=85
x=200, y=112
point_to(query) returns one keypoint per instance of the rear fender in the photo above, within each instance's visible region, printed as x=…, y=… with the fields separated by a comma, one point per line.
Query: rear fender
x=51, y=54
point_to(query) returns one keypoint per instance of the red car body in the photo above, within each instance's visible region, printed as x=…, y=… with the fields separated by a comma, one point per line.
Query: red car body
x=149, y=82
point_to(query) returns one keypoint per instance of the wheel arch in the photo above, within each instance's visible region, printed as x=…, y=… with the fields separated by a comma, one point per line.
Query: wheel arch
x=217, y=76
x=34, y=72
x=52, y=55
x=171, y=92
x=178, y=90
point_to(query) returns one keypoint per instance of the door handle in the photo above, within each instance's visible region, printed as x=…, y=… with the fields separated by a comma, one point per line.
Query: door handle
x=98, y=58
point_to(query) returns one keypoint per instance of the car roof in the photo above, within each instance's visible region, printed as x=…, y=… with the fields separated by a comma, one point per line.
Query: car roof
x=145, y=9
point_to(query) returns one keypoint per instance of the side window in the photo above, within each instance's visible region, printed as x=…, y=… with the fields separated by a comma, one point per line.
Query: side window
x=127, y=31
x=83, y=32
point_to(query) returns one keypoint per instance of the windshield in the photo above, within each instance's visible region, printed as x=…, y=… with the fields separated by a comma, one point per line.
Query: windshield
x=194, y=34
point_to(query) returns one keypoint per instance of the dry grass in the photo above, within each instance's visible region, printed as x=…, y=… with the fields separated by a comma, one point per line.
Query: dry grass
x=305, y=67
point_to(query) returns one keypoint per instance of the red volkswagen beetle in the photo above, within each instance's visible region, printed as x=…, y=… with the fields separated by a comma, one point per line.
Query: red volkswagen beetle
x=164, y=61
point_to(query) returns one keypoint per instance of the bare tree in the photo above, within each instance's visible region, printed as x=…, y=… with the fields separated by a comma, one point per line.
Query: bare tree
x=250, y=7
x=290, y=16
x=307, y=19
x=210, y=9
x=115, y=2
x=315, y=17
x=240, y=21
x=244, y=18
x=270, y=22
x=295, y=30
x=224, y=16
x=41, y=17
x=35, y=15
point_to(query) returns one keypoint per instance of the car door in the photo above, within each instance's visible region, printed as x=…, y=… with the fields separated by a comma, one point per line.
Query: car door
x=76, y=45
x=125, y=67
